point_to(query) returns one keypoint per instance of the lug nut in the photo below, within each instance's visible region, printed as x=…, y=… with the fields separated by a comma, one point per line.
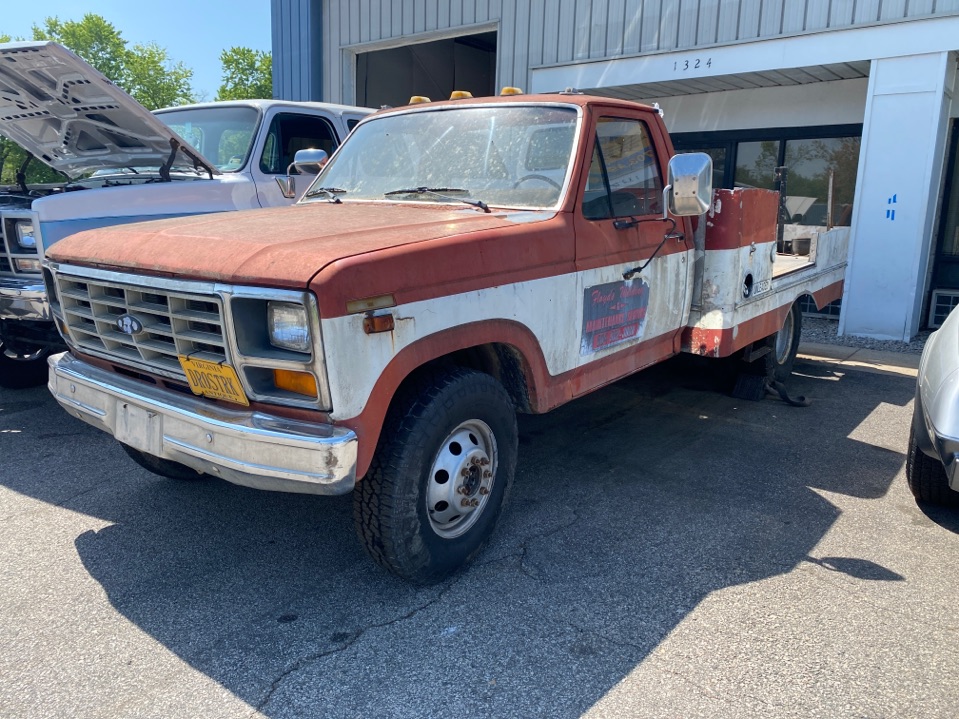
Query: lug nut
x=484, y=461
x=487, y=474
x=464, y=503
x=465, y=472
x=484, y=490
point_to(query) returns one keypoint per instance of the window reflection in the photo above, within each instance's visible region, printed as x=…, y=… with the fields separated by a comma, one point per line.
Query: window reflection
x=756, y=164
x=811, y=164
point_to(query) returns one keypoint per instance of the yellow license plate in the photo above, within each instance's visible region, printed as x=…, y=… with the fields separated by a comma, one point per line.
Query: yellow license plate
x=213, y=380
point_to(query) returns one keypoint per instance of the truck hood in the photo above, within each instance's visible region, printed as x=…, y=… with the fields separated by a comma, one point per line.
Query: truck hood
x=276, y=247
x=71, y=117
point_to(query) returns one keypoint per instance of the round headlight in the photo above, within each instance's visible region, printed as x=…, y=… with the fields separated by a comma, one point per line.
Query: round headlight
x=288, y=326
x=26, y=237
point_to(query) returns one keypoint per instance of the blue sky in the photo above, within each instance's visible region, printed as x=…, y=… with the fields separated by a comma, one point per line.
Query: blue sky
x=193, y=31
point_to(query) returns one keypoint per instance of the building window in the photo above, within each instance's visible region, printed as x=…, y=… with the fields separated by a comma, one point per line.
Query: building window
x=816, y=159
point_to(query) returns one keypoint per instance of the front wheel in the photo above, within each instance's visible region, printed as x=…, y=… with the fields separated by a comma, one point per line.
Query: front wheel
x=20, y=370
x=440, y=475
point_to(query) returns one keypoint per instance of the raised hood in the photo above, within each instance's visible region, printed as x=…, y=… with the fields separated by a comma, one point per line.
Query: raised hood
x=275, y=247
x=68, y=115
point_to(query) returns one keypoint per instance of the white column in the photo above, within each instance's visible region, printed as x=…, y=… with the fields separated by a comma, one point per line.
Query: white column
x=897, y=193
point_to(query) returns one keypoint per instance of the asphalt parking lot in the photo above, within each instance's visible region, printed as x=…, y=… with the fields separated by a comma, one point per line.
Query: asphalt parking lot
x=668, y=551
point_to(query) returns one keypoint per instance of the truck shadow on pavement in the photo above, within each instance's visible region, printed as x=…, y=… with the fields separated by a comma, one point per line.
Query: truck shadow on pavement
x=630, y=507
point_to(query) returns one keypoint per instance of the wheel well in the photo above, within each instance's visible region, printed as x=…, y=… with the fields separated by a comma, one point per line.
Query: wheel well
x=502, y=361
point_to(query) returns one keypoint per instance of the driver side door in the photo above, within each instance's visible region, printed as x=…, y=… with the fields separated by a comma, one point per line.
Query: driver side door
x=629, y=323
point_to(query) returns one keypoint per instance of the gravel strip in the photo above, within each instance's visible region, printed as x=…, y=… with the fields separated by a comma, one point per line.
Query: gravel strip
x=823, y=331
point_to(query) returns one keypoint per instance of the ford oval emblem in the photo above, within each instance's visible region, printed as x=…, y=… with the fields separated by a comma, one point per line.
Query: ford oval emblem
x=129, y=325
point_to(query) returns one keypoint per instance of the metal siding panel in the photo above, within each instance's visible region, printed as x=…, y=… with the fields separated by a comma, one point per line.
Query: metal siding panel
x=331, y=79
x=406, y=20
x=615, y=27
x=419, y=16
x=582, y=25
x=893, y=10
x=565, y=35
x=598, y=16
x=432, y=14
x=771, y=18
x=375, y=10
x=946, y=7
x=354, y=10
x=921, y=7
x=507, y=39
x=668, y=24
x=708, y=29
x=749, y=13
x=443, y=14
x=688, y=23
x=794, y=16
x=652, y=25
x=521, y=42
x=456, y=12
x=817, y=15
x=537, y=33
x=550, y=32
x=866, y=11
x=495, y=9
x=469, y=11
x=482, y=10
x=840, y=13
x=633, y=26
x=727, y=24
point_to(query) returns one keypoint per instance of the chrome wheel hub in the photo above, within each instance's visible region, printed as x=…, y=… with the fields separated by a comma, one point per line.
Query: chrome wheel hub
x=461, y=479
x=784, y=339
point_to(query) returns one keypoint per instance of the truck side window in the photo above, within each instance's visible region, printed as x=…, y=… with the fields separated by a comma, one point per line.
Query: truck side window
x=290, y=132
x=624, y=179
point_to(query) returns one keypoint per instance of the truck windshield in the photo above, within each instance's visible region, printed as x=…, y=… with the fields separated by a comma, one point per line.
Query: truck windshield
x=223, y=135
x=503, y=155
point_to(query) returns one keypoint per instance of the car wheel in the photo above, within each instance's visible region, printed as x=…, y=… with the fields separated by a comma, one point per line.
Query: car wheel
x=440, y=475
x=162, y=467
x=18, y=371
x=784, y=345
x=927, y=478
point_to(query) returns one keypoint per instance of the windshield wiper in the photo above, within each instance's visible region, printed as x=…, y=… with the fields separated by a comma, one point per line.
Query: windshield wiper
x=330, y=192
x=438, y=192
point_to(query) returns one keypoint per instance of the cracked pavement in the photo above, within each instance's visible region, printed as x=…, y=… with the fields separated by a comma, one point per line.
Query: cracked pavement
x=667, y=551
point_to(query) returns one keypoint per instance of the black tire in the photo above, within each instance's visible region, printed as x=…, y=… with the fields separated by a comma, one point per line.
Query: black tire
x=23, y=370
x=459, y=422
x=162, y=467
x=927, y=478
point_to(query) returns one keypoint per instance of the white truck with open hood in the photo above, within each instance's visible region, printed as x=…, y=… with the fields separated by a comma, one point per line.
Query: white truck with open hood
x=123, y=164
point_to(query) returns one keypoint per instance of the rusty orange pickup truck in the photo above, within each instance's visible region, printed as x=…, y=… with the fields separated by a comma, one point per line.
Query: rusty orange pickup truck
x=453, y=264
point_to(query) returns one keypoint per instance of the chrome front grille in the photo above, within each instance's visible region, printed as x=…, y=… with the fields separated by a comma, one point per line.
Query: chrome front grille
x=173, y=323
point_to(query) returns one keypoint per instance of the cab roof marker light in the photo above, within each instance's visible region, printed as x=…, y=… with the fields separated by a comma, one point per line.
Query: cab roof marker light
x=460, y=95
x=509, y=90
x=419, y=99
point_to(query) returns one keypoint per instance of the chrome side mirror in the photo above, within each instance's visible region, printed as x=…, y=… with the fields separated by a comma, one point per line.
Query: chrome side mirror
x=690, y=188
x=307, y=162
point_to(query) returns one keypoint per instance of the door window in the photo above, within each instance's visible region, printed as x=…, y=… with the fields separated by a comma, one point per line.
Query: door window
x=289, y=133
x=624, y=178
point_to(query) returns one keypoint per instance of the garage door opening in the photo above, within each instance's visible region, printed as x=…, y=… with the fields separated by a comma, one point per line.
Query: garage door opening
x=434, y=69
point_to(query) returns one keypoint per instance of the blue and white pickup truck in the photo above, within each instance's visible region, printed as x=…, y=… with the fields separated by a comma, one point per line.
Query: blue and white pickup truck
x=126, y=164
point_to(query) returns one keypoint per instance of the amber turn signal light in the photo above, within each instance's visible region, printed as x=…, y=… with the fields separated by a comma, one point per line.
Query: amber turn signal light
x=298, y=382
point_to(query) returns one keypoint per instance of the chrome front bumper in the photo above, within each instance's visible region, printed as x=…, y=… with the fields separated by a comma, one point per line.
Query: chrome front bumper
x=23, y=299
x=241, y=446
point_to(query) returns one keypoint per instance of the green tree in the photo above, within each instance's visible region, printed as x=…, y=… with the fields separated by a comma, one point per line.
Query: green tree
x=154, y=80
x=247, y=74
